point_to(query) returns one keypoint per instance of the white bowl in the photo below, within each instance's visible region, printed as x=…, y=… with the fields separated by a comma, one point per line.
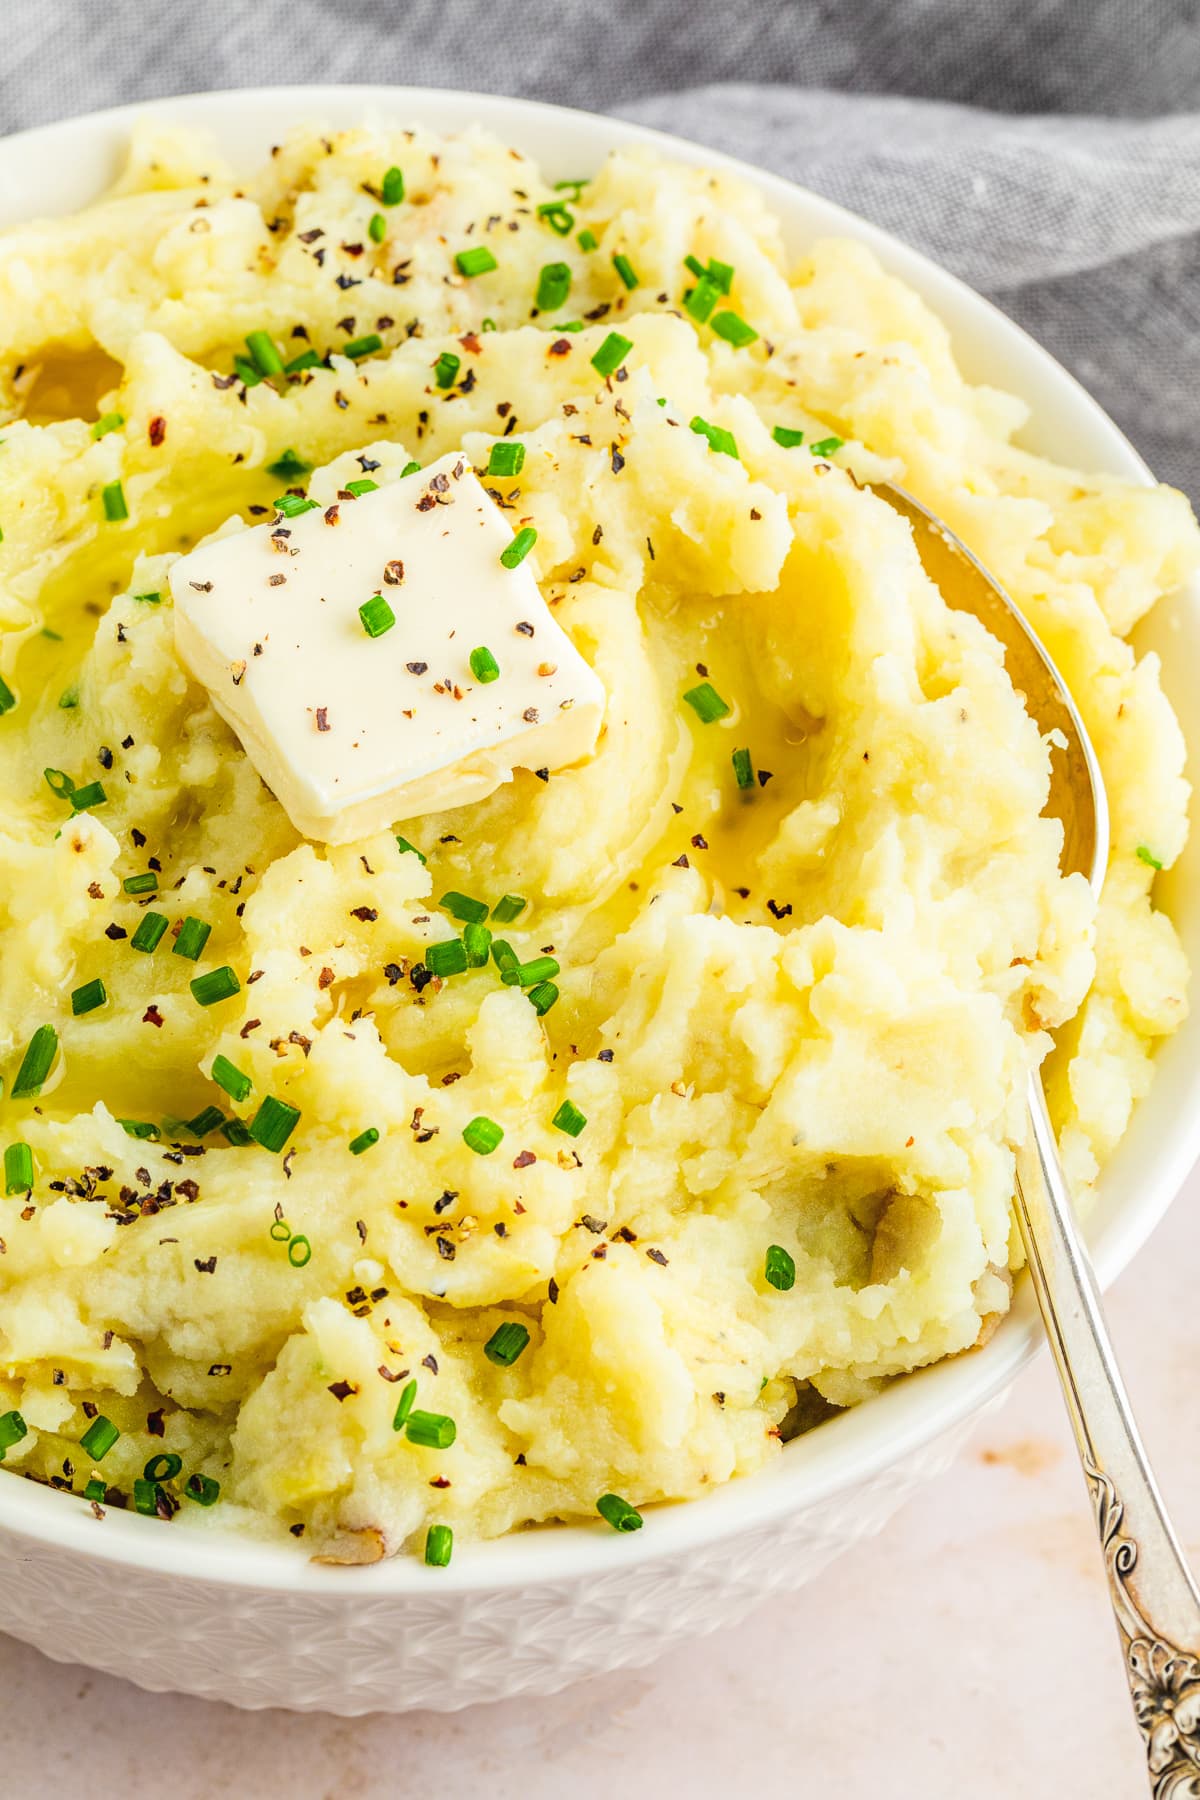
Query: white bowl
x=204, y=1612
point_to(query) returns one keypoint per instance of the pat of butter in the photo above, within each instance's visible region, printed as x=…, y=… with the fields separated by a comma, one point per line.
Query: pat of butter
x=352, y=732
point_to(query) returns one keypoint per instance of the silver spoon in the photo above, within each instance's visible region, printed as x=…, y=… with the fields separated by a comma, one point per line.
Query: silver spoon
x=1154, y=1598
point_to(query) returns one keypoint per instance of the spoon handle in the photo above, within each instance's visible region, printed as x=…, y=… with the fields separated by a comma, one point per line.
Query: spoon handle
x=1153, y=1596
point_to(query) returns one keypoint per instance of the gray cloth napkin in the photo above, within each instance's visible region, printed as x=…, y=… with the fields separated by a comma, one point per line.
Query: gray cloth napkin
x=1036, y=147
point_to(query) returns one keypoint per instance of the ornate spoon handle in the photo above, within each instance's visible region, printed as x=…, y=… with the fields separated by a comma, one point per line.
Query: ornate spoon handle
x=1154, y=1598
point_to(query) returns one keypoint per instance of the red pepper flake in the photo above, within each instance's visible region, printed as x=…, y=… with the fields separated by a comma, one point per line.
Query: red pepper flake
x=206, y=1265
x=367, y=914
x=561, y=347
x=325, y=978
x=524, y=1159
x=657, y=1257
x=699, y=843
x=393, y=572
x=152, y=1016
x=323, y=719
x=342, y=1390
x=681, y=862
x=331, y=515
x=154, y=1424
x=276, y=580
x=158, y=431
x=779, y=912
x=552, y=1291
x=249, y=1026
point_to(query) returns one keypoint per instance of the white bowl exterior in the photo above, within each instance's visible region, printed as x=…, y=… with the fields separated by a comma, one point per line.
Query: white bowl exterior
x=202, y=1611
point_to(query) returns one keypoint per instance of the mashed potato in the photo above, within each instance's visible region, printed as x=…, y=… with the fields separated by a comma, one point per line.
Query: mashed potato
x=797, y=1013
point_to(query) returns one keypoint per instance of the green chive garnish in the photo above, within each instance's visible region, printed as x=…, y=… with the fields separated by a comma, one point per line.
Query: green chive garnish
x=299, y=1251
x=292, y=505
x=365, y=1140
x=87, y=998
x=479, y=261
x=743, y=769
x=542, y=997
x=506, y=458
x=477, y=942
x=718, y=438
x=1147, y=856
x=36, y=1063
x=391, y=188
x=288, y=466
x=568, y=1118
x=786, y=437
x=445, y=369
x=377, y=228
x=359, y=488
x=484, y=666
x=587, y=240
x=506, y=1344
x=558, y=217
x=154, y=598
x=376, y=615
x=780, y=1269
x=433, y=1430
x=619, y=1514
x=218, y=984
x=273, y=1123
x=12, y=1429
x=520, y=547
x=408, y=1394
x=527, y=975
x=357, y=348
x=734, y=330
x=508, y=907
x=99, y=1438
x=145, y=1497
x=410, y=468
x=439, y=1546
x=205, y=1122
x=149, y=934
x=84, y=798
x=504, y=956
x=165, y=1466
x=141, y=884
x=59, y=782
x=18, y=1169
x=234, y=1132
x=96, y=1490
x=307, y=359
x=407, y=849
x=612, y=353
x=482, y=1135
x=7, y=698
x=230, y=1079
x=193, y=935
x=247, y=372
x=719, y=273
x=267, y=359
x=699, y=302
x=112, y=498
x=202, y=1489
x=445, y=959
x=827, y=446
x=706, y=703
x=625, y=270
x=68, y=700
x=109, y=421
x=140, y=1128
x=554, y=284
x=463, y=908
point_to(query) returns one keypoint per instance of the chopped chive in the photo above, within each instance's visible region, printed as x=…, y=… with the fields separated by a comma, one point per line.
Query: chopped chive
x=145, y=1497
x=612, y=353
x=377, y=228
x=410, y=468
x=68, y=700
x=96, y=1490
x=700, y=300
x=482, y=1135
x=586, y=240
x=706, y=703
x=439, y=1546
x=59, y=782
x=503, y=955
x=165, y=1466
x=357, y=348
x=267, y=359
x=12, y=1429
x=520, y=547
x=619, y=1514
x=149, y=934
x=576, y=185
x=109, y=421
x=112, y=498
x=274, y=1123
x=506, y=1344
x=527, y=975
x=407, y=849
x=205, y=1122
x=558, y=217
x=36, y=1063
x=780, y=1269
x=463, y=908
x=554, y=284
x=246, y=371
x=408, y=1394
x=568, y=325
x=445, y=369
x=508, y=907
x=99, y=1438
x=154, y=598
x=193, y=935
x=377, y=616
x=786, y=437
x=486, y=324
x=230, y=1079
x=506, y=458
x=1147, y=856
x=359, y=488
x=734, y=330
x=281, y=1231
x=542, y=997
x=435, y=1431
x=87, y=998
x=218, y=984
x=139, y=1128
x=202, y=1489
x=292, y=505
x=299, y=1251
x=141, y=884
x=625, y=270
x=718, y=438
x=448, y=958
x=391, y=188
x=7, y=698
x=84, y=798
x=484, y=666
x=743, y=769
x=18, y=1169
x=307, y=359
x=366, y=1140
x=288, y=466
x=568, y=1118
x=827, y=446
x=478, y=261
x=234, y=1132
x=477, y=942
x=719, y=273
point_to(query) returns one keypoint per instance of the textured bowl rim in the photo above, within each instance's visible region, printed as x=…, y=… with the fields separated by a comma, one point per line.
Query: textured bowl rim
x=72, y=161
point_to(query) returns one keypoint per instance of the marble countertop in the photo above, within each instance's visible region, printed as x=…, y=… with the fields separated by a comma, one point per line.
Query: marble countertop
x=969, y=1649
